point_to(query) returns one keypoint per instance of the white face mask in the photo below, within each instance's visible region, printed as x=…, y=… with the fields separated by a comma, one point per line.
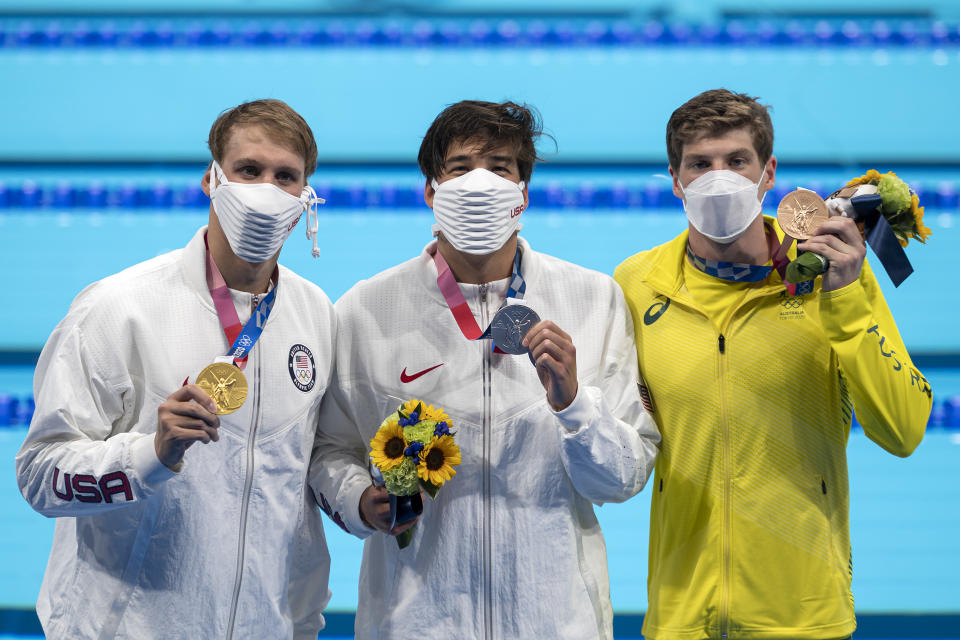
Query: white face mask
x=478, y=211
x=257, y=218
x=721, y=204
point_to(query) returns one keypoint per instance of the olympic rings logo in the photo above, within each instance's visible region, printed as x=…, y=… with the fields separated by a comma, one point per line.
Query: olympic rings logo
x=790, y=302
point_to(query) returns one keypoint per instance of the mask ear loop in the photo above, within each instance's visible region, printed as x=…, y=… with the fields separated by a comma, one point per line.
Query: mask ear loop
x=435, y=228
x=216, y=172
x=313, y=225
x=521, y=185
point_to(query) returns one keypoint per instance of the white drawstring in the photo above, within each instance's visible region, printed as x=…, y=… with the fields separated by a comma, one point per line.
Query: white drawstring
x=312, y=223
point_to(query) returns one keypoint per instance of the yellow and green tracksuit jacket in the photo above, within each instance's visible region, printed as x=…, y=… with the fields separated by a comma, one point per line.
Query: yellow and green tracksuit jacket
x=750, y=514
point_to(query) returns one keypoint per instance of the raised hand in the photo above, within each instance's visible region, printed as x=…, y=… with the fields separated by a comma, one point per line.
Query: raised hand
x=839, y=241
x=188, y=415
x=555, y=356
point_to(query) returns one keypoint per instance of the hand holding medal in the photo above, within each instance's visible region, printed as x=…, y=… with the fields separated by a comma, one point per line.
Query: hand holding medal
x=832, y=245
x=517, y=329
x=188, y=415
x=553, y=353
x=191, y=413
x=887, y=215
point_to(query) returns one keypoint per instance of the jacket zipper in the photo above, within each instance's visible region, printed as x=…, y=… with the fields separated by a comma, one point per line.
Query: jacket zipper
x=727, y=533
x=727, y=471
x=247, y=487
x=487, y=419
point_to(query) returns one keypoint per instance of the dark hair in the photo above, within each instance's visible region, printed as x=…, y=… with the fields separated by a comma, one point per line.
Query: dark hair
x=284, y=125
x=496, y=125
x=712, y=114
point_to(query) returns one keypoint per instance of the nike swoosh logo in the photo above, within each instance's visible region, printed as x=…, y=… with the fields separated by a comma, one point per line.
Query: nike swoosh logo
x=410, y=378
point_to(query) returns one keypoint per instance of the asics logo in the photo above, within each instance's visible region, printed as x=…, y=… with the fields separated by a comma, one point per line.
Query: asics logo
x=413, y=376
x=656, y=310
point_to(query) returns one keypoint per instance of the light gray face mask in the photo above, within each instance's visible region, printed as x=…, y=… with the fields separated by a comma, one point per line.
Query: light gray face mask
x=478, y=211
x=721, y=204
x=257, y=218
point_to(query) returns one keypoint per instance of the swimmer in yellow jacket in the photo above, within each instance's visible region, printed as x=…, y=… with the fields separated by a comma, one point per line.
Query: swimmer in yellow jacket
x=753, y=385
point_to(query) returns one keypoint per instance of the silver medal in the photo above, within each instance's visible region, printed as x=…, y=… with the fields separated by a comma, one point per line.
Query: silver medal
x=510, y=325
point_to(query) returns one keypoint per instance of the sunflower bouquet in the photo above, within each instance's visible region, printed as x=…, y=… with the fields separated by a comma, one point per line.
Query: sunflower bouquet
x=413, y=450
x=899, y=205
x=888, y=214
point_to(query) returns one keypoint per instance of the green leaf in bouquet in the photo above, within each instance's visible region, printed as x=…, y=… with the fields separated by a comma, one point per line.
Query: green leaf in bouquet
x=894, y=193
x=404, y=539
x=430, y=488
x=419, y=410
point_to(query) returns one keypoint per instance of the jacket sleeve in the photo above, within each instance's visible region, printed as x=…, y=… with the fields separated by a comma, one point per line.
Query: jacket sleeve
x=338, y=468
x=81, y=456
x=608, y=441
x=892, y=399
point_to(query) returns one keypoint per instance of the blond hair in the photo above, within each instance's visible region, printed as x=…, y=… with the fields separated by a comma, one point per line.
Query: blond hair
x=284, y=125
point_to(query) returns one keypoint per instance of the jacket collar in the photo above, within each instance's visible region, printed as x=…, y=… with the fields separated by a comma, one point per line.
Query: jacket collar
x=193, y=265
x=665, y=273
x=194, y=268
x=427, y=271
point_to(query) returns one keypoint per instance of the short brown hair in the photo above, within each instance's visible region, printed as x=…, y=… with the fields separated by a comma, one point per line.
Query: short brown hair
x=495, y=124
x=712, y=114
x=283, y=124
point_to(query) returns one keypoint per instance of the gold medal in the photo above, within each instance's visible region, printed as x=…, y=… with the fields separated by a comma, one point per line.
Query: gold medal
x=801, y=212
x=226, y=384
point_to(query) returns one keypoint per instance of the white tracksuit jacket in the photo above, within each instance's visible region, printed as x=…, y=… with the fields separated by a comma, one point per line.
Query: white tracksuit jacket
x=511, y=547
x=233, y=544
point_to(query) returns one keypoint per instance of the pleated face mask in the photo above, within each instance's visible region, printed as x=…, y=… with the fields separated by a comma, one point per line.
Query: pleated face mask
x=478, y=211
x=721, y=204
x=257, y=218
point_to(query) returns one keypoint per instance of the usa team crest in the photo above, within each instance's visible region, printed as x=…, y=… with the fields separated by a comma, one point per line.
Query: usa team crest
x=303, y=371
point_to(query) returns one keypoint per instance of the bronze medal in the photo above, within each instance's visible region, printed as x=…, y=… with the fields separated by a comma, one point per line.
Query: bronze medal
x=801, y=212
x=226, y=384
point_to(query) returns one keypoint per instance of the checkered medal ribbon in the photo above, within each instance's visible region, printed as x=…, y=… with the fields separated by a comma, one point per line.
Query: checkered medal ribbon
x=735, y=271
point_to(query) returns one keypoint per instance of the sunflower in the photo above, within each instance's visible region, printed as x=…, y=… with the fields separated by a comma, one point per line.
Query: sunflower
x=901, y=206
x=387, y=447
x=870, y=177
x=434, y=413
x=921, y=232
x=427, y=412
x=437, y=461
x=410, y=406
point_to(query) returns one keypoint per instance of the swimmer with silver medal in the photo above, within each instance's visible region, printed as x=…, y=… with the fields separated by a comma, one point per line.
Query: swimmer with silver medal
x=510, y=326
